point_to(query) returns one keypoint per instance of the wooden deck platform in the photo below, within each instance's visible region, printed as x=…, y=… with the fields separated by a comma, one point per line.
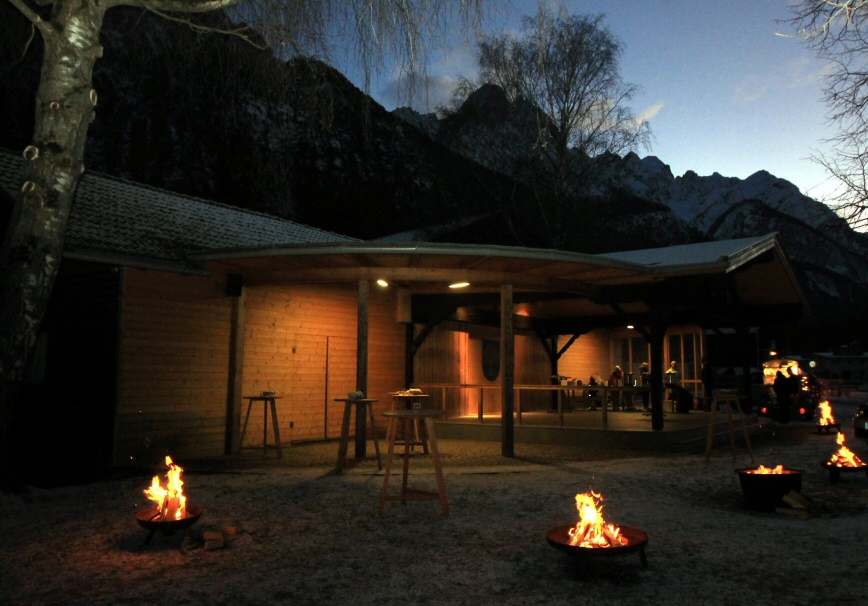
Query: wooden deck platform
x=682, y=432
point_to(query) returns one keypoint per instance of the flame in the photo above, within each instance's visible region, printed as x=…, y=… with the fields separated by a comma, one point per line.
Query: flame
x=826, y=411
x=762, y=469
x=845, y=457
x=170, y=500
x=592, y=531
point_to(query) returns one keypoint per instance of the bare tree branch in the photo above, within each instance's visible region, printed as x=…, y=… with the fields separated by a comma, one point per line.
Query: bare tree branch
x=838, y=32
x=31, y=15
x=562, y=77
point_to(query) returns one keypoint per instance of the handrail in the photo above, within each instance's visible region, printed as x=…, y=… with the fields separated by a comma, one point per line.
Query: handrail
x=535, y=387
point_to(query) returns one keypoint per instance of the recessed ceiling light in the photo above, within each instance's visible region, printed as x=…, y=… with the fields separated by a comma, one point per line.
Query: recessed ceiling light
x=459, y=285
x=382, y=283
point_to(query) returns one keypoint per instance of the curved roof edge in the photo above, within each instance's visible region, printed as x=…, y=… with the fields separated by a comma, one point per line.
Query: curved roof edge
x=718, y=256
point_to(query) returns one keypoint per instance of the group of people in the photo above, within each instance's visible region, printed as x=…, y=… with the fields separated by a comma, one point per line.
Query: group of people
x=616, y=379
x=672, y=380
x=787, y=387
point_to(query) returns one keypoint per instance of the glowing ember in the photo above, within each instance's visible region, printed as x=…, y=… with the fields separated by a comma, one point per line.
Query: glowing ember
x=170, y=500
x=845, y=457
x=762, y=469
x=826, y=412
x=592, y=531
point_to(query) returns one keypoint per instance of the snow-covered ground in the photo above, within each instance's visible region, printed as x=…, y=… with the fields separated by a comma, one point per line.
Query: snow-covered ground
x=305, y=536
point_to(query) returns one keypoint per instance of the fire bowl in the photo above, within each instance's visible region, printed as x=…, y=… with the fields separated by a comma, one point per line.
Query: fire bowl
x=559, y=538
x=835, y=470
x=765, y=491
x=149, y=519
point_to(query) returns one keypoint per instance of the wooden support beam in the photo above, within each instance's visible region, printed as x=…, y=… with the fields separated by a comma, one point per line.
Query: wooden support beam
x=362, y=339
x=409, y=354
x=236, y=373
x=507, y=372
x=657, y=334
x=362, y=366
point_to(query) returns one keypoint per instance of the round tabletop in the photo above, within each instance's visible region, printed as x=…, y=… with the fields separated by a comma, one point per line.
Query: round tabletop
x=413, y=414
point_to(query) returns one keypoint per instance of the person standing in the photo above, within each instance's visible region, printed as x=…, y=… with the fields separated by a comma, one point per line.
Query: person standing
x=645, y=381
x=671, y=380
x=781, y=387
x=616, y=379
x=672, y=373
x=795, y=380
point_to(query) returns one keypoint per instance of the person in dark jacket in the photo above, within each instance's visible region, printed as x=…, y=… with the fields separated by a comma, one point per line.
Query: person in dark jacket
x=795, y=380
x=645, y=378
x=783, y=389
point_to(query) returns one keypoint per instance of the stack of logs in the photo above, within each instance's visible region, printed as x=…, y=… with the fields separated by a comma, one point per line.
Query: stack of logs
x=800, y=505
x=210, y=539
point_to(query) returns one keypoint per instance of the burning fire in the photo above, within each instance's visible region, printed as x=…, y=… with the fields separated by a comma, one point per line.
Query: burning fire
x=845, y=457
x=592, y=531
x=171, y=502
x=826, y=412
x=762, y=470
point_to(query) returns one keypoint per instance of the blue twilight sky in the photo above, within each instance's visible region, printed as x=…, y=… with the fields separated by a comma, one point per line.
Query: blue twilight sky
x=722, y=91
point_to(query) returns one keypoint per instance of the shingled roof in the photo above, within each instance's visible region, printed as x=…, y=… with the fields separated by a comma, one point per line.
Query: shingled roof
x=125, y=223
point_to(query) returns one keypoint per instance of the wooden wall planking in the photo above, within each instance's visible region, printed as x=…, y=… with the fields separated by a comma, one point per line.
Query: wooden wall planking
x=172, y=387
x=301, y=343
x=590, y=354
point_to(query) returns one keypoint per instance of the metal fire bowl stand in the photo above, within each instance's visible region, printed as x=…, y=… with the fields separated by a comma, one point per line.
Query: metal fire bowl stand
x=149, y=519
x=559, y=538
x=835, y=471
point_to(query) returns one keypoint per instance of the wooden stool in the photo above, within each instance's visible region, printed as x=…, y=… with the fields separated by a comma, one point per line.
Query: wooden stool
x=407, y=418
x=731, y=400
x=266, y=401
x=360, y=437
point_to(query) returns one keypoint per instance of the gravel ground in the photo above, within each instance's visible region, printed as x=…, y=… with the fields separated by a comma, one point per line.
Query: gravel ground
x=295, y=533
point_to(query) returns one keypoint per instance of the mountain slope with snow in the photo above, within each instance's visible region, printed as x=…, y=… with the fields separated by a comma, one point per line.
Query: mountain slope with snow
x=831, y=258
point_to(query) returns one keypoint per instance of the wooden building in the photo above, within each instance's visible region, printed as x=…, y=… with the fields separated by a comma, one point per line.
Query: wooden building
x=170, y=309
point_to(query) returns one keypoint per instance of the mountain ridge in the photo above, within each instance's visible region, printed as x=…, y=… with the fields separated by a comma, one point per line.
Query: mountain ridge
x=298, y=140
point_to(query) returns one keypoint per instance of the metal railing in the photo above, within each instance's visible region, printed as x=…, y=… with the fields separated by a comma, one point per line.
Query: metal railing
x=591, y=395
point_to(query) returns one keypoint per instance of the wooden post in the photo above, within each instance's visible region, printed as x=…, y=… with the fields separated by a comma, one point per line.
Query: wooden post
x=409, y=354
x=554, y=358
x=362, y=366
x=236, y=374
x=657, y=363
x=507, y=371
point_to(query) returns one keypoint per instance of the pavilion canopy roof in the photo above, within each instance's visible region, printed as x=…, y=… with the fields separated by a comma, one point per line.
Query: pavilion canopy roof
x=717, y=283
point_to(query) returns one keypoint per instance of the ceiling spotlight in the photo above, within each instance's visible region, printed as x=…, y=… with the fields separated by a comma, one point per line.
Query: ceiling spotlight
x=630, y=327
x=459, y=285
x=382, y=283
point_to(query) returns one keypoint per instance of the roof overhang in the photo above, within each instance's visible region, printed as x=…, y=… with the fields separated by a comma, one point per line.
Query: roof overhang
x=559, y=292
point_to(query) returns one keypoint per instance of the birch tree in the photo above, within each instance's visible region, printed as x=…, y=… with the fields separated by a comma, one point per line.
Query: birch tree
x=66, y=102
